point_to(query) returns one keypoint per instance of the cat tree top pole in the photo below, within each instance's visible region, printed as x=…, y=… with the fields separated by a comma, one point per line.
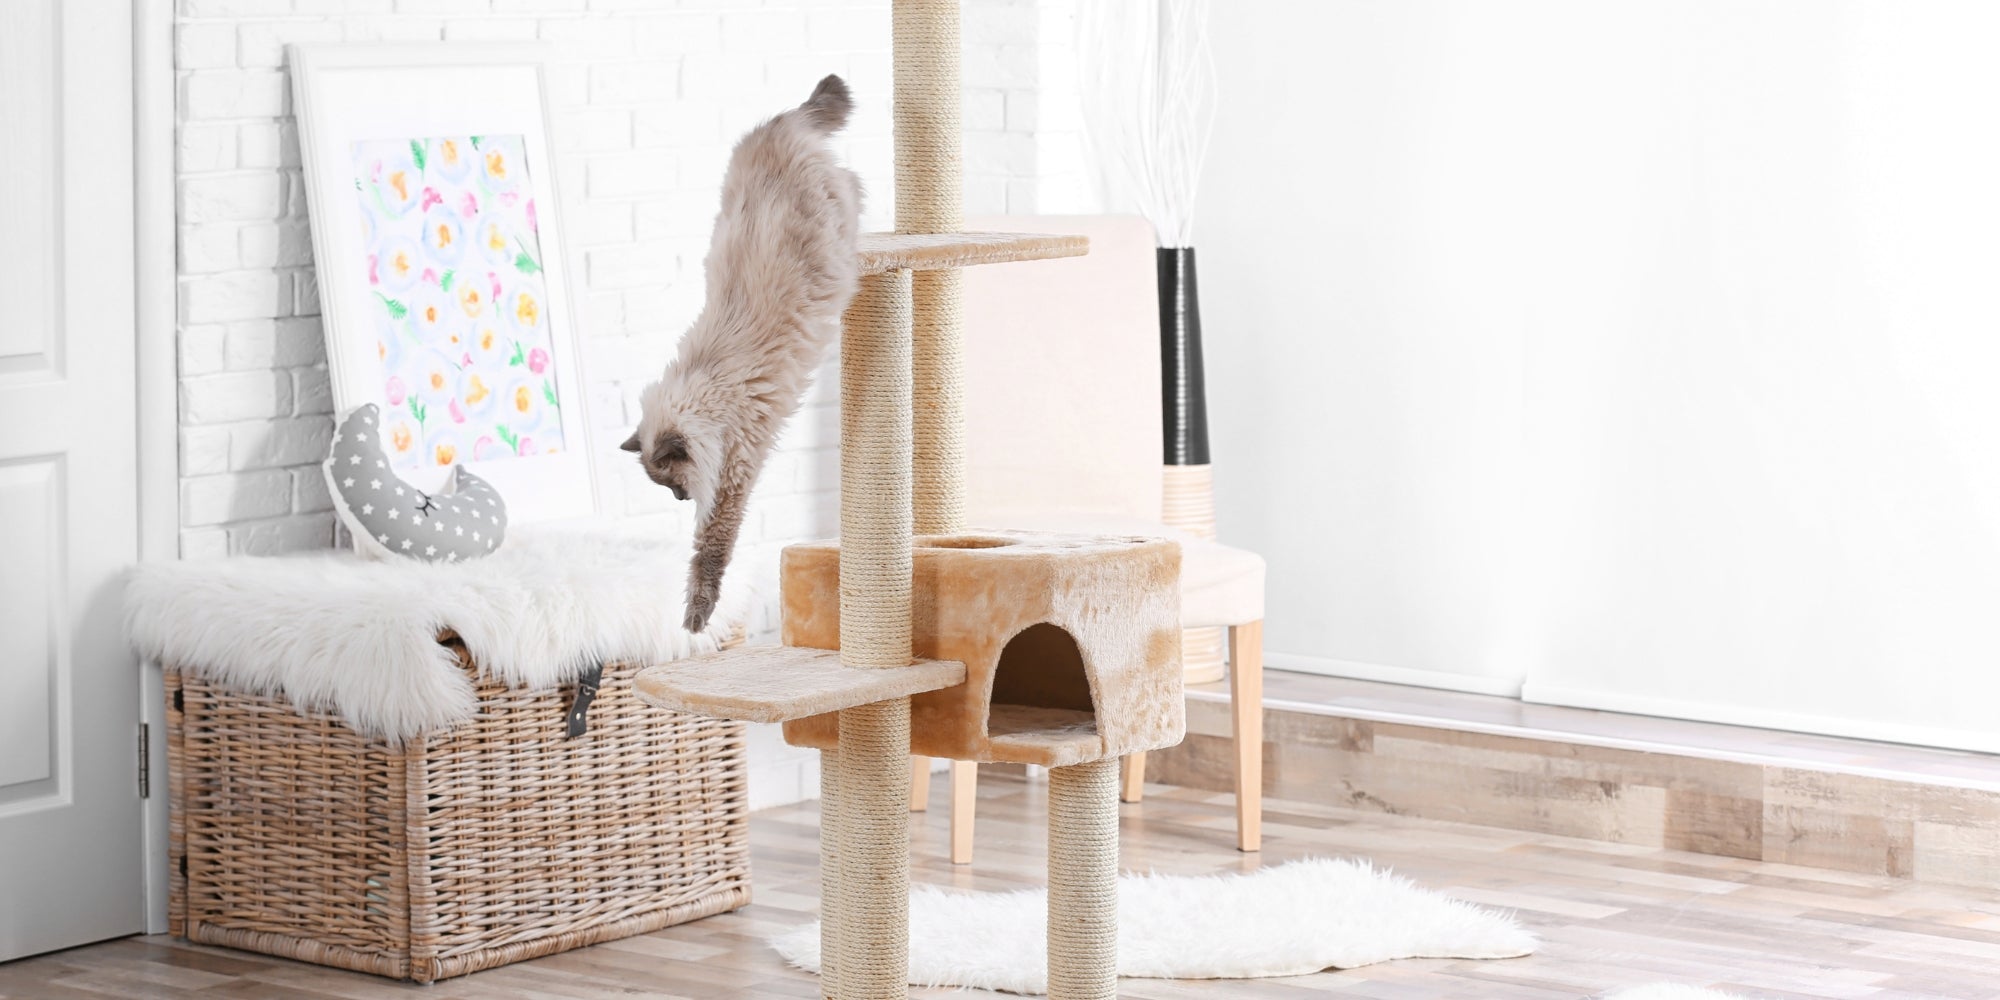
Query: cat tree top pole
x=930, y=168
x=930, y=159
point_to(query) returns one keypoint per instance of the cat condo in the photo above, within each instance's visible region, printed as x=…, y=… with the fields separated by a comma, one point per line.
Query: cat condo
x=911, y=635
x=1054, y=674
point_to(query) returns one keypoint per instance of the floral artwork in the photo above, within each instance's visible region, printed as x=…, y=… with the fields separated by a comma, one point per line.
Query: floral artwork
x=457, y=300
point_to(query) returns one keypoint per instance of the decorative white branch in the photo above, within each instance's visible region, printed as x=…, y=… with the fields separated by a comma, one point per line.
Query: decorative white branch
x=1148, y=92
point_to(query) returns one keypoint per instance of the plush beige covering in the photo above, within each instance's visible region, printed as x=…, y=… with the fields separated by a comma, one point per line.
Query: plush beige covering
x=777, y=683
x=933, y=251
x=1071, y=644
x=1220, y=585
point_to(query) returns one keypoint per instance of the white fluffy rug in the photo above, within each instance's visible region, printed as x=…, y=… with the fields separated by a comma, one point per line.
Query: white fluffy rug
x=333, y=631
x=1290, y=920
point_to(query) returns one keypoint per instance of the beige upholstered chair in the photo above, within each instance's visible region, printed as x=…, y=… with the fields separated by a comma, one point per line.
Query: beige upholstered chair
x=1063, y=432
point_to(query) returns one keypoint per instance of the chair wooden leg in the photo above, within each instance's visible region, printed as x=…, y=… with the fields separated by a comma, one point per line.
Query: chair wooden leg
x=1246, y=712
x=920, y=784
x=1133, y=786
x=964, y=795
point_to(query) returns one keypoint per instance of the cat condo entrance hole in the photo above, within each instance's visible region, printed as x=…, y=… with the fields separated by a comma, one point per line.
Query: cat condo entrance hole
x=1041, y=694
x=1041, y=667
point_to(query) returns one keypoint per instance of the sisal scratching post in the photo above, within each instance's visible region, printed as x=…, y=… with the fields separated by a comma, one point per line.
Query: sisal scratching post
x=939, y=415
x=875, y=521
x=872, y=838
x=930, y=173
x=1083, y=881
x=829, y=874
x=875, y=851
x=930, y=160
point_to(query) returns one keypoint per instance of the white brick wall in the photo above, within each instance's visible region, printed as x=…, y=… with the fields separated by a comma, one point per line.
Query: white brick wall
x=1023, y=122
x=648, y=96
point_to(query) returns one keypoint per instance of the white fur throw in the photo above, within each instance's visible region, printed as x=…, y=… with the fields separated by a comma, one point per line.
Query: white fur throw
x=333, y=631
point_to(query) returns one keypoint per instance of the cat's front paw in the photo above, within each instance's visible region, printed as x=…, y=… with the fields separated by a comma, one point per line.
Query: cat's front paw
x=700, y=607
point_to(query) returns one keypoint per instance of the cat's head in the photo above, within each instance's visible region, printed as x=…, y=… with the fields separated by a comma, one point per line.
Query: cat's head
x=679, y=447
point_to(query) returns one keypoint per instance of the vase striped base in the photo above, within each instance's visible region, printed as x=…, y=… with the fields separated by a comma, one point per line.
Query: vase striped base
x=1189, y=504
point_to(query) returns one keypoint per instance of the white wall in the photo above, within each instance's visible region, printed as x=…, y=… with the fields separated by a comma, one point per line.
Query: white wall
x=649, y=97
x=1644, y=352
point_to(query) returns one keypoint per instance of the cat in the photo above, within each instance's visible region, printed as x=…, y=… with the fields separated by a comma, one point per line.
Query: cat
x=781, y=270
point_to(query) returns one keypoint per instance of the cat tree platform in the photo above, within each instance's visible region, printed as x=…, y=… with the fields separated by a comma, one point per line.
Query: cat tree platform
x=788, y=683
x=782, y=683
x=882, y=252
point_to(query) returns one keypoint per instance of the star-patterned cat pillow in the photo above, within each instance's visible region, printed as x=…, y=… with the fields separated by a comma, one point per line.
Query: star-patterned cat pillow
x=389, y=516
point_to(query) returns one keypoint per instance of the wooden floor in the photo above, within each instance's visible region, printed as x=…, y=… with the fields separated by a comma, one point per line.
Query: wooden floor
x=1610, y=916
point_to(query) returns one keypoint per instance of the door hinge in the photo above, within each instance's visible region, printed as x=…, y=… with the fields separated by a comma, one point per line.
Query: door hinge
x=145, y=761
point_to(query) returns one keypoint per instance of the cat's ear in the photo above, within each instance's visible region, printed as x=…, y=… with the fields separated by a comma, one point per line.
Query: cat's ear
x=631, y=443
x=673, y=447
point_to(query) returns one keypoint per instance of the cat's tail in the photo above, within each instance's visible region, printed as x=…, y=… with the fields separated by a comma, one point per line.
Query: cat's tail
x=830, y=104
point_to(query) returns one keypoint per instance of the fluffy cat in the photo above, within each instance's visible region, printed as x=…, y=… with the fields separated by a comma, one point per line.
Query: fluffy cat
x=781, y=270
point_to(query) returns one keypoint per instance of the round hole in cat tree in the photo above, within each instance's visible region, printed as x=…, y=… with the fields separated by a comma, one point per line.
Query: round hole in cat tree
x=962, y=542
x=1041, y=667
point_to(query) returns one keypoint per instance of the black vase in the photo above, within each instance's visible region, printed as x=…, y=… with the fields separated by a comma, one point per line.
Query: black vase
x=1183, y=394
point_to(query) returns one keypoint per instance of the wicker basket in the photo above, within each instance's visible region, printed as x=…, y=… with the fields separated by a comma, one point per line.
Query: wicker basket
x=497, y=842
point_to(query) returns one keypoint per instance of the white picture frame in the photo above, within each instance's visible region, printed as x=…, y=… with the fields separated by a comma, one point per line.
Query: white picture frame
x=451, y=378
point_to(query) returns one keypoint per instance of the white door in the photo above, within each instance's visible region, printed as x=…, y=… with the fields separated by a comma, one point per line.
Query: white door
x=70, y=833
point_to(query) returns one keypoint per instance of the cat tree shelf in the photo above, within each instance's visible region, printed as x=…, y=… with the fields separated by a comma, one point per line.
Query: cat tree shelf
x=935, y=251
x=782, y=683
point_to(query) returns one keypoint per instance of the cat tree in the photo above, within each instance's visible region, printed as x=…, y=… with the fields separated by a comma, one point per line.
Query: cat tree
x=1054, y=650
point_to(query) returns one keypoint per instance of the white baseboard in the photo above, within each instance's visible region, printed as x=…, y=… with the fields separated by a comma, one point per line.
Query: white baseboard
x=1506, y=687
x=1761, y=718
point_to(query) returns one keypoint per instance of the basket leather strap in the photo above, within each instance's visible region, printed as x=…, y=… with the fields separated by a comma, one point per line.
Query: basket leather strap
x=586, y=691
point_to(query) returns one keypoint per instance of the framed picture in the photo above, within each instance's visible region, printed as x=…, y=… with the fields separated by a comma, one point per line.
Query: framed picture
x=439, y=245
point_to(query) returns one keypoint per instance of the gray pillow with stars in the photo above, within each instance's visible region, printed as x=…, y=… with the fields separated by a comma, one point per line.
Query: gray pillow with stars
x=387, y=515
